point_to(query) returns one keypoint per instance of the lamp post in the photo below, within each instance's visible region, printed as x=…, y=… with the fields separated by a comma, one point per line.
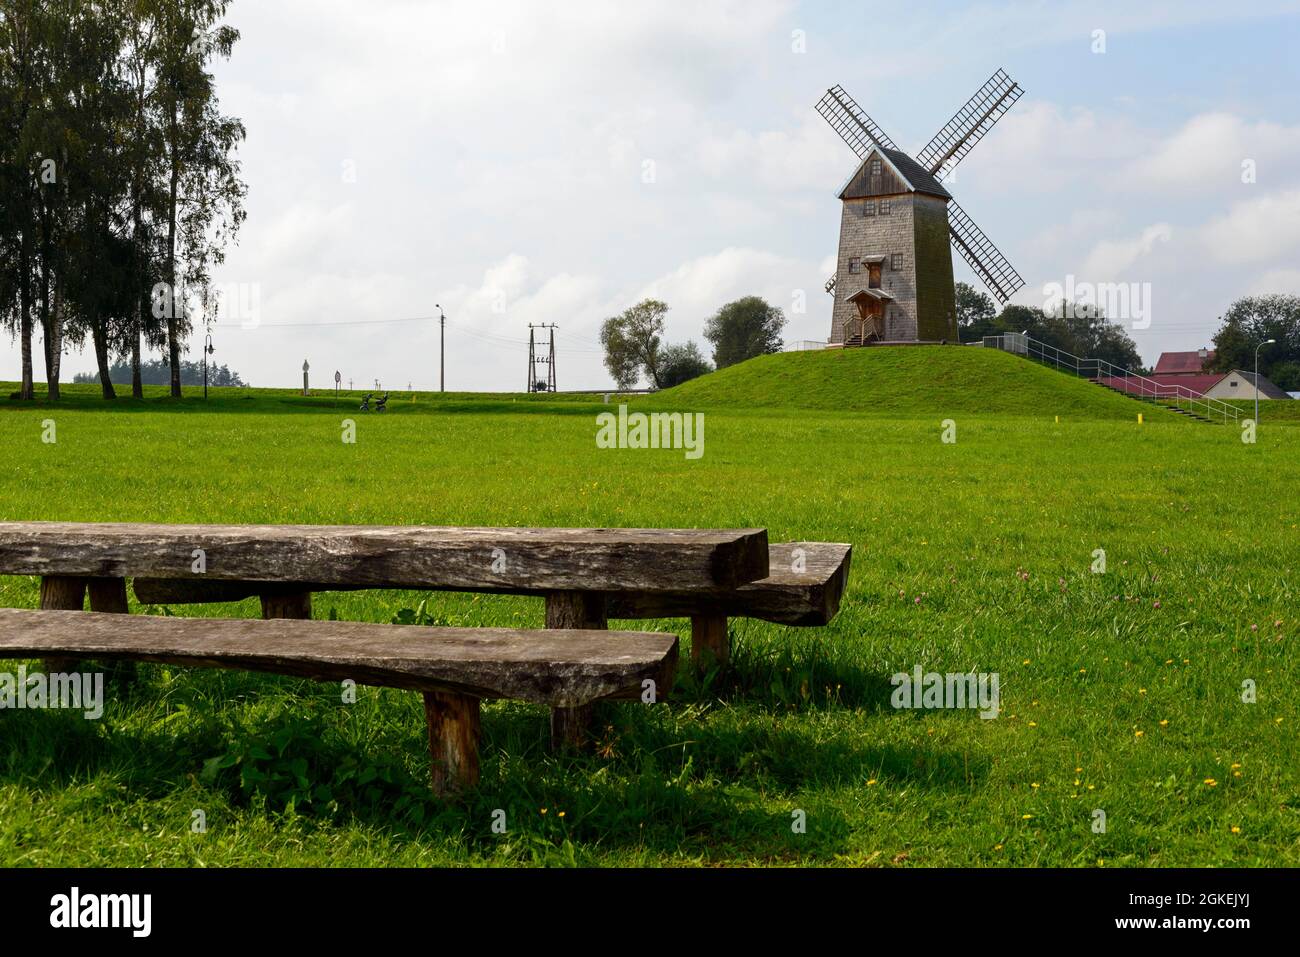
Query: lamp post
x=1266, y=342
x=207, y=351
x=442, y=349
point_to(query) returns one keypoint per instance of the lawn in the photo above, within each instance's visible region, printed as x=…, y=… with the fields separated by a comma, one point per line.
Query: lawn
x=1121, y=691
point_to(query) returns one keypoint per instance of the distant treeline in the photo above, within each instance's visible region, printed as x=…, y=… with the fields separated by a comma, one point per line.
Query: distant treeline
x=156, y=372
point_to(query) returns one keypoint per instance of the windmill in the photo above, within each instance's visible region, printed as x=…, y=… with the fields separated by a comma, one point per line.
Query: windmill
x=893, y=281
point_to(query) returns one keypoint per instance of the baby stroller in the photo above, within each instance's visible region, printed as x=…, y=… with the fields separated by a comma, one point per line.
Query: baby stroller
x=381, y=403
x=365, y=403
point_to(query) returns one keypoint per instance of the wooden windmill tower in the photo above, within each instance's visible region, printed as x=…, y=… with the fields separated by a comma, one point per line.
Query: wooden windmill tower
x=893, y=280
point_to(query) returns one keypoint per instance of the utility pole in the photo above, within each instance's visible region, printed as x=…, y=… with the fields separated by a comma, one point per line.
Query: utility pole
x=442, y=349
x=534, y=360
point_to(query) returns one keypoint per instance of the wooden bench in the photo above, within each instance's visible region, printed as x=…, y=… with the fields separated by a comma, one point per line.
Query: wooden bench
x=455, y=668
x=585, y=576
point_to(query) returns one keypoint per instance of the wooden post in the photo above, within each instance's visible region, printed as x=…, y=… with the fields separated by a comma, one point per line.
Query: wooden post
x=709, y=642
x=570, y=727
x=109, y=595
x=286, y=605
x=66, y=594
x=453, y=741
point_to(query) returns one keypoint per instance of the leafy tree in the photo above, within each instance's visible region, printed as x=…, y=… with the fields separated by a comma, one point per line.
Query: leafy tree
x=681, y=363
x=1080, y=330
x=1252, y=320
x=1285, y=375
x=975, y=313
x=744, y=329
x=631, y=340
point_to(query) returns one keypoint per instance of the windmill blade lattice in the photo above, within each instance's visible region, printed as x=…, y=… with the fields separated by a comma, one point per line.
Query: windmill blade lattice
x=985, y=258
x=969, y=124
x=852, y=122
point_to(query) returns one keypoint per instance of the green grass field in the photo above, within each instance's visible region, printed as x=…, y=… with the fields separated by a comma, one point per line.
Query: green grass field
x=1120, y=691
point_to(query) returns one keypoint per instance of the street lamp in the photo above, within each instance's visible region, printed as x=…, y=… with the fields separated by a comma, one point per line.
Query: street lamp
x=1266, y=342
x=207, y=351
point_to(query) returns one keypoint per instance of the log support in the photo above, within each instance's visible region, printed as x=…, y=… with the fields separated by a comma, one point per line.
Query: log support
x=453, y=741
x=571, y=727
x=109, y=595
x=710, y=646
x=60, y=593
x=287, y=604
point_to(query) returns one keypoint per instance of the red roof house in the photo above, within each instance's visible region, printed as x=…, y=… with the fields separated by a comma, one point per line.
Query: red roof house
x=1184, y=363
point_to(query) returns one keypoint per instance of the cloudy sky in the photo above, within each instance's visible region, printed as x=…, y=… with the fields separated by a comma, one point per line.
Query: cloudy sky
x=526, y=162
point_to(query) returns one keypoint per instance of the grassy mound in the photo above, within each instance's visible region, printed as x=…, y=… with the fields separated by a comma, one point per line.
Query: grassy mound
x=902, y=381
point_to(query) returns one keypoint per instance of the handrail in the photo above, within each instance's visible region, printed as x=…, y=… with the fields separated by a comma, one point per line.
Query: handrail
x=1100, y=370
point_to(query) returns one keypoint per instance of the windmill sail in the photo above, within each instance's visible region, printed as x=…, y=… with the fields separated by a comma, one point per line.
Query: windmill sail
x=969, y=124
x=985, y=258
x=852, y=123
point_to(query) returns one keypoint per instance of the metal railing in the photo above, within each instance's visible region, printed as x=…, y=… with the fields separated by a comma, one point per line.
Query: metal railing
x=1114, y=377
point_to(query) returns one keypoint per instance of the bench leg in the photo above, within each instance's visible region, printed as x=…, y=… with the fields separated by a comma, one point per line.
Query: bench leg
x=710, y=645
x=109, y=595
x=64, y=594
x=287, y=605
x=453, y=741
x=571, y=727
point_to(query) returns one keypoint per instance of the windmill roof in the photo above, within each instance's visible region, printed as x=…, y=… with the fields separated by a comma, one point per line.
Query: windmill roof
x=909, y=171
x=916, y=174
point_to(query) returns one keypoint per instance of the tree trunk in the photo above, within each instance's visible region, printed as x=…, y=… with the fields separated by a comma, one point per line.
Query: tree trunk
x=99, y=332
x=51, y=314
x=28, y=391
x=173, y=325
x=137, y=385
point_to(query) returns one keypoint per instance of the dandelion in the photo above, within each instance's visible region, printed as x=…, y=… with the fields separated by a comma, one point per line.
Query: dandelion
x=1235, y=829
x=1034, y=784
x=1025, y=662
x=1211, y=782
x=543, y=810
x=1026, y=817
x=997, y=847
x=1033, y=724
x=1138, y=734
x=1142, y=690
x=1164, y=723
x=561, y=814
x=1078, y=770
x=871, y=782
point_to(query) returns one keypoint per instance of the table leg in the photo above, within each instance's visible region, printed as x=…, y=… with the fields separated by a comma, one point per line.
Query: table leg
x=62, y=593
x=286, y=604
x=453, y=741
x=710, y=646
x=109, y=595
x=571, y=727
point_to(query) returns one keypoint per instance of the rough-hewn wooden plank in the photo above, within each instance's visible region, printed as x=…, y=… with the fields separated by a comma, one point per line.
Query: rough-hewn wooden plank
x=453, y=741
x=506, y=559
x=786, y=596
x=62, y=594
x=810, y=597
x=571, y=727
x=557, y=668
x=710, y=646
